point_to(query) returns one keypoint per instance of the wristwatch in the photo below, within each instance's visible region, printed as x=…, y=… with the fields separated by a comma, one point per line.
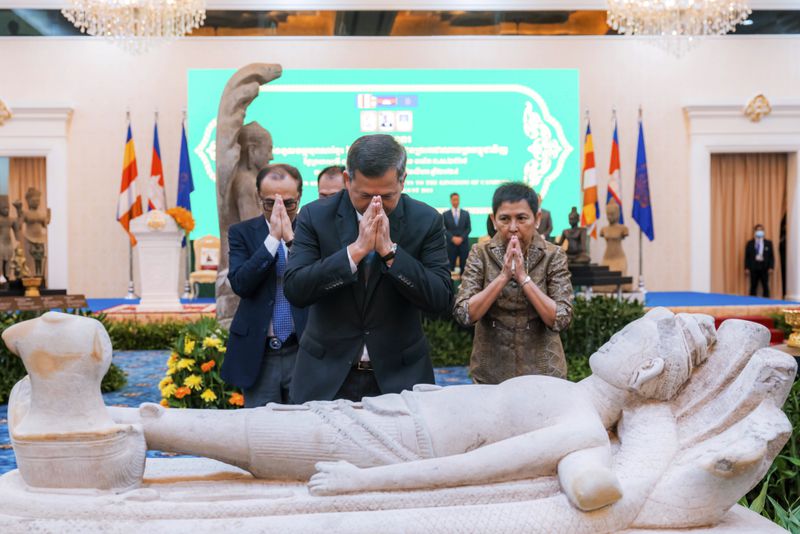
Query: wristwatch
x=392, y=253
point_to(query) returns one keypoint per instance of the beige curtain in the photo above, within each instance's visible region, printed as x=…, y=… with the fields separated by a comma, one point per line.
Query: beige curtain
x=24, y=173
x=746, y=189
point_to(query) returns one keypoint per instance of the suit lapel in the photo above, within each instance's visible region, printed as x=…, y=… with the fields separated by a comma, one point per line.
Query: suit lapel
x=347, y=228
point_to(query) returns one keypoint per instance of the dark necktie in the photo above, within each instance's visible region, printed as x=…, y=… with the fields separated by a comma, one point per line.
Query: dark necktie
x=282, y=314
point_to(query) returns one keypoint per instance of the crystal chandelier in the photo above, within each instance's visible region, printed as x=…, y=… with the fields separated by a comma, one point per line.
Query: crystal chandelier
x=678, y=23
x=136, y=24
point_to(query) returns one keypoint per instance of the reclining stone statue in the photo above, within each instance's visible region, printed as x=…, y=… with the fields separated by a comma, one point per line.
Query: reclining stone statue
x=657, y=437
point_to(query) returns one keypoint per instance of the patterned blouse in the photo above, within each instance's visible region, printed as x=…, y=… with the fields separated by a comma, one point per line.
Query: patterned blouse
x=511, y=340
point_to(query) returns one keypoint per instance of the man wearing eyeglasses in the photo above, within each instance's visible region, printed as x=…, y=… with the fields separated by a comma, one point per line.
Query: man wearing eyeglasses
x=266, y=328
x=366, y=262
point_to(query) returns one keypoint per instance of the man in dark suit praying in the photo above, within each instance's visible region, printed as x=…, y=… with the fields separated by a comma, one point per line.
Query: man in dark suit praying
x=366, y=262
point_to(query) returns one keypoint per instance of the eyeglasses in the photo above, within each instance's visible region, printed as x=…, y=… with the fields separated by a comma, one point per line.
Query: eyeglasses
x=269, y=203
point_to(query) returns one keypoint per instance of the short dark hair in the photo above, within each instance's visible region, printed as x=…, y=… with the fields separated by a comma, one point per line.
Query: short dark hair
x=759, y=225
x=374, y=155
x=514, y=192
x=333, y=169
x=283, y=169
x=454, y=194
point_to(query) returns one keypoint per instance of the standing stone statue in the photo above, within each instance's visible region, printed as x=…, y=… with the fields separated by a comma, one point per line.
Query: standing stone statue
x=575, y=236
x=614, y=256
x=8, y=226
x=33, y=229
x=242, y=150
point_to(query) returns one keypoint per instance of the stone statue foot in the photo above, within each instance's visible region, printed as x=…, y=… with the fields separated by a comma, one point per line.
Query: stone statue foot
x=596, y=488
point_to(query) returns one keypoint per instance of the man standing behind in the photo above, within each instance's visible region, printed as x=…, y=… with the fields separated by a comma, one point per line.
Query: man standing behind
x=265, y=331
x=759, y=260
x=366, y=263
x=546, y=224
x=457, y=226
x=330, y=181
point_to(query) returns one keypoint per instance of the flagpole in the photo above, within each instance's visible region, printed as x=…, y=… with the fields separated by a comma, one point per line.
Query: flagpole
x=131, y=295
x=641, y=288
x=187, y=288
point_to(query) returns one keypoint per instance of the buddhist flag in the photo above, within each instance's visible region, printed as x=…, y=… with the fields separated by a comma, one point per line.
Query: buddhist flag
x=591, y=206
x=129, y=204
x=642, y=210
x=614, y=187
x=156, y=194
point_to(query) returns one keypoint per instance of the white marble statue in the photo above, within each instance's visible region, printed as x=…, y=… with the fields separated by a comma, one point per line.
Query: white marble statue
x=675, y=425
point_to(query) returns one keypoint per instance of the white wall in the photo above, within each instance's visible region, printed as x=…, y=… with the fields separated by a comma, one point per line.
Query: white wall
x=99, y=82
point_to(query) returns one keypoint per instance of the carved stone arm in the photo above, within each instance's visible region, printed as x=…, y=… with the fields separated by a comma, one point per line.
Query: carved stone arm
x=526, y=456
x=240, y=91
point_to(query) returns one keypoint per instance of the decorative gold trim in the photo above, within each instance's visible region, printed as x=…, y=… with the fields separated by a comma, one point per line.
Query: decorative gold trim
x=758, y=107
x=5, y=113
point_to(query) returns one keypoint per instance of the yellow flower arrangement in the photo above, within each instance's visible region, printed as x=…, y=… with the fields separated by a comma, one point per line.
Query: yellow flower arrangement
x=183, y=218
x=213, y=342
x=168, y=390
x=208, y=396
x=193, y=381
x=185, y=363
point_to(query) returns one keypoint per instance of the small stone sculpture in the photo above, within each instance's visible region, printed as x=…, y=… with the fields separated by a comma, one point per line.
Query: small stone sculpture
x=19, y=265
x=242, y=151
x=694, y=418
x=8, y=230
x=575, y=237
x=614, y=256
x=33, y=229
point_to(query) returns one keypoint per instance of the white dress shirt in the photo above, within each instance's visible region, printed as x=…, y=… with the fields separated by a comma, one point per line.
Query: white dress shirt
x=456, y=214
x=272, y=245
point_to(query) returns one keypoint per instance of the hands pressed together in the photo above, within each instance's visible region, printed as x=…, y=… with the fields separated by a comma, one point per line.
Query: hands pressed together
x=373, y=232
x=514, y=263
x=280, y=225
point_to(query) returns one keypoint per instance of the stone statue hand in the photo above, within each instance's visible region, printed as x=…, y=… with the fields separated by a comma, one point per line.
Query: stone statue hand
x=336, y=478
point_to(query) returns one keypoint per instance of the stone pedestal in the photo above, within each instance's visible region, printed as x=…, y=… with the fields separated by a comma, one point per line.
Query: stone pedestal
x=159, y=254
x=200, y=495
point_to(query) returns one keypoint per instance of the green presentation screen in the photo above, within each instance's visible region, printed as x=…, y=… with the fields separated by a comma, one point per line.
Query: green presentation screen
x=465, y=131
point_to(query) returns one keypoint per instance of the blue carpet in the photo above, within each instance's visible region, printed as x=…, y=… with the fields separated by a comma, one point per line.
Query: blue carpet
x=689, y=298
x=97, y=305
x=145, y=369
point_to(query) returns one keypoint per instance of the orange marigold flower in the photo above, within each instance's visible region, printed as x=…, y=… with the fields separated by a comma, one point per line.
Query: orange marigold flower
x=182, y=391
x=236, y=399
x=206, y=367
x=165, y=403
x=183, y=218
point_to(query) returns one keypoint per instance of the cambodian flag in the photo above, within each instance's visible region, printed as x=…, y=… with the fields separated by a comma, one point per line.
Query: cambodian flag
x=642, y=210
x=614, y=179
x=156, y=194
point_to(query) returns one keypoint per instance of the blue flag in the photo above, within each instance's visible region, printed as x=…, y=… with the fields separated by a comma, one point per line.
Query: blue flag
x=642, y=210
x=185, y=182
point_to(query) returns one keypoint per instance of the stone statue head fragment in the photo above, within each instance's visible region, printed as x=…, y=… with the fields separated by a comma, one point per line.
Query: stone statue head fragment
x=612, y=211
x=574, y=217
x=256, y=143
x=654, y=356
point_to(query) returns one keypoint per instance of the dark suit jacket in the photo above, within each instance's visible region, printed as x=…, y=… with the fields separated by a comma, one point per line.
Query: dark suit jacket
x=344, y=314
x=750, y=256
x=462, y=229
x=252, y=277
